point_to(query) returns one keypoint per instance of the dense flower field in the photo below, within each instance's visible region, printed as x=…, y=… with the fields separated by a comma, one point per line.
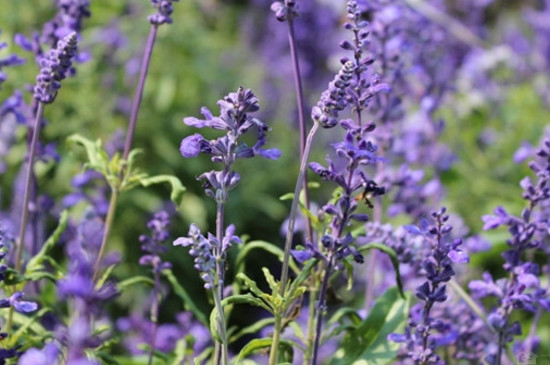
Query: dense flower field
x=274, y=182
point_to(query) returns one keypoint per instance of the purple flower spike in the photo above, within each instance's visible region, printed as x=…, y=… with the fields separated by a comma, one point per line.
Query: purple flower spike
x=54, y=69
x=425, y=331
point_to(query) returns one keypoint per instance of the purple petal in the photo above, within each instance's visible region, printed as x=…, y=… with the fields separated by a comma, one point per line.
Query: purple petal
x=270, y=154
x=190, y=146
x=183, y=241
x=301, y=256
x=459, y=257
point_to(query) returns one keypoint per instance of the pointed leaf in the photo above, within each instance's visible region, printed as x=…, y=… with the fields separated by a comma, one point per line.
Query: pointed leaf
x=177, y=187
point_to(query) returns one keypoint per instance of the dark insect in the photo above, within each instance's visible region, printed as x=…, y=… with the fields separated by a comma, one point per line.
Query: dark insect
x=371, y=190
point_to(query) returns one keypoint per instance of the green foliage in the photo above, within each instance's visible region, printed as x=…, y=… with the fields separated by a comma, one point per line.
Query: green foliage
x=365, y=342
x=120, y=174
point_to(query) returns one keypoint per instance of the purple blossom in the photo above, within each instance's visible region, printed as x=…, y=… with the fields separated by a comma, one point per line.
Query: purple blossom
x=418, y=338
x=152, y=245
x=164, y=10
x=54, y=68
x=521, y=289
x=235, y=120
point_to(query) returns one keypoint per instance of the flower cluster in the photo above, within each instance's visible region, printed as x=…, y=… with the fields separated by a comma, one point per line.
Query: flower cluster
x=164, y=10
x=437, y=267
x=235, y=120
x=153, y=244
x=522, y=289
x=54, y=68
x=207, y=251
x=333, y=100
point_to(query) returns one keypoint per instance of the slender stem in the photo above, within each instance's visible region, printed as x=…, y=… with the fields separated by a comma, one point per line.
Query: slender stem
x=220, y=272
x=220, y=263
x=107, y=230
x=274, y=353
x=154, y=315
x=28, y=183
x=139, y=91
x=301, y=113
x=311, y=322
x=26, y=198
x=321, y=305
x=221, y=327
x=294, y=208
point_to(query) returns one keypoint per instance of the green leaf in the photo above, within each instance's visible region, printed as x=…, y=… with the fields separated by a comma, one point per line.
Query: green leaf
x=106, y=358
x=97, y=158
x=177, y=187
x=304, y=274
x=27, y=324
x=134, y=280
x=35, y=263
x=187, y=299
x=287, y=196
x=235, y=299
x=367, y=343
x=394, y=260
x=273, y=285
x=258, y=344
x=179, y=351
x=250, y=284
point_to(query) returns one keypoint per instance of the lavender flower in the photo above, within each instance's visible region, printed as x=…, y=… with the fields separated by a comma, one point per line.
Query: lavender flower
x=54, y=68
x=235, y=120
x=333, y=100
x=153, y=245
x=522, y=288
x=437, y=267
x=164, y=10
x=207, y=251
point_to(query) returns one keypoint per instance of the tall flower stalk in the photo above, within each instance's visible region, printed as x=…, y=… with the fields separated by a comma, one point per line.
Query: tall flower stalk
x=162, y=16
x=438, y=268
x=287, y=11
x=210, y=253
x=54, y=69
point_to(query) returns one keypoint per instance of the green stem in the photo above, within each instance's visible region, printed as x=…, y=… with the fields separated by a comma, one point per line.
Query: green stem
x=311, y=321
x=221, y=327
x=274, y=352
x=106, y=231
x=294, y=209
